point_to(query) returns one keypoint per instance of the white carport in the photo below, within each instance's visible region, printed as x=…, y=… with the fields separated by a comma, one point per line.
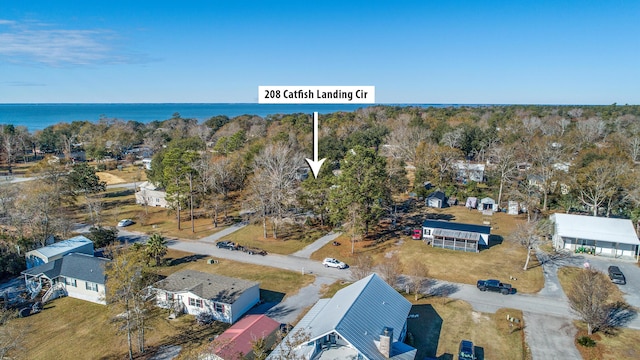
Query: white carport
x=598, y=235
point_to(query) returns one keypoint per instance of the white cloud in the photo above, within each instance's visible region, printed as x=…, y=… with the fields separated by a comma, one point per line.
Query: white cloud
x=33, y=43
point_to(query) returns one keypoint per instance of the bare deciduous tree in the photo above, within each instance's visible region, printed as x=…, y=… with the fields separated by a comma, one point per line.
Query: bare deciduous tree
x=589, y=295
x=417, y=276
x=362, y=266
x=390, y=269
x=275, y=181
x=530, y=235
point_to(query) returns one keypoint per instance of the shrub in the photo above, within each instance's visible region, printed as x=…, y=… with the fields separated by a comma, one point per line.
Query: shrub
x=586, y=341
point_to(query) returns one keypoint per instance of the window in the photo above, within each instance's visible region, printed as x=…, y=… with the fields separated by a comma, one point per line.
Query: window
x=427, y=232
x=169, y=296
x=70, y=282
x=91, y=286
x=219, y=307
x=195, y=302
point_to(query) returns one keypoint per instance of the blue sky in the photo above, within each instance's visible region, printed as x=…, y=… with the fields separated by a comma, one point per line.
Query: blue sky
x=452, y=52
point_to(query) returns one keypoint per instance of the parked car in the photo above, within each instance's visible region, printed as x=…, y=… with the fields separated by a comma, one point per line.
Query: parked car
x=616, y=276
x=417, y=234
x=466, y=351
x=125, y=222
x=496, y=286
x=226, y=245
x=331, y=262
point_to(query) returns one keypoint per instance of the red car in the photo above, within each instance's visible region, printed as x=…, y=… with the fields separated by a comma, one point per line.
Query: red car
x=417, y=234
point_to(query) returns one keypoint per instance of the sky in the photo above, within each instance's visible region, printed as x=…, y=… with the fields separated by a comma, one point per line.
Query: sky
x=426, y=52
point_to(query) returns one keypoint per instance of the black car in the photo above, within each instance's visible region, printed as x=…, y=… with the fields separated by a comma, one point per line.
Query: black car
x=616, y=276
x=226, y=245
x=495, y=285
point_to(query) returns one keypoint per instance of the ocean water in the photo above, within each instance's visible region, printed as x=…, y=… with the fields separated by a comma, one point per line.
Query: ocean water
x=39, y=116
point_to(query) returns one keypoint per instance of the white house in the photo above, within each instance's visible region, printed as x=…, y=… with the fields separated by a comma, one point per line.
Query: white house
x=599, y=235
x=367, y=320
x=76, y=275
x=149, y=194
x=223, y=298
x=455, y=236
x=43, y=255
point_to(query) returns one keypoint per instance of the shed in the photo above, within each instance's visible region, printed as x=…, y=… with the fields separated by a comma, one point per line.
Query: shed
x=514, y=208
x=472, y=202
x=488, y=204
x=600, y=236
x=437, y=199
x=43, y=255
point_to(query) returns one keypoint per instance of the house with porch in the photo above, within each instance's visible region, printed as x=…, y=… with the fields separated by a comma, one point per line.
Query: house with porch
x=599, y=236
x=455, y=236
x=366, y=320
x=224, y=298
x=76, y=275
x=43, y=255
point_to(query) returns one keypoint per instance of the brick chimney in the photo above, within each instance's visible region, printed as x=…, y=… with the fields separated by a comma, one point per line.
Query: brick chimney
x=386, y=339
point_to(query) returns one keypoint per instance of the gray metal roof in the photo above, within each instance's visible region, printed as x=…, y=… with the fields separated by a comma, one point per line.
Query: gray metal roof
x=75, y=265
x=359, y=313
x=207, y=286
x=595, y=228
x=473, y=236
x=64, y=246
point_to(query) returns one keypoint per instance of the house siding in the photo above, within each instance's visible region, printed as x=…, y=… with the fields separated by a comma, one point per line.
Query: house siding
x=81, y=292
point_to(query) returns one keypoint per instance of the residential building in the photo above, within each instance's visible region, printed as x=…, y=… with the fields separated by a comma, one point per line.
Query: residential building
x=150, y=195
x=224, y=298
x=455, y=236
x=76, y=275
x=43, y=255
x=236, y=341
x=366, y=320
x=599, y=236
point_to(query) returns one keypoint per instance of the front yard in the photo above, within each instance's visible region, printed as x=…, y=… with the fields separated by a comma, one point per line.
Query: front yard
x=436, y=328
x=620, y=344
x=503, y=260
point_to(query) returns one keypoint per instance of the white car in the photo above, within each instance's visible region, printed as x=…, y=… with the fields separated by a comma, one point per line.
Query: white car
x=331, y=262
x=125, y=222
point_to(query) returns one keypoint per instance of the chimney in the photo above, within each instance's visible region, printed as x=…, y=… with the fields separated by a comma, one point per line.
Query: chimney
x=386, y=338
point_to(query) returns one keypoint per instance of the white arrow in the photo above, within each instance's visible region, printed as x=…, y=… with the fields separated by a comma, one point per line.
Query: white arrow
x=315, y=164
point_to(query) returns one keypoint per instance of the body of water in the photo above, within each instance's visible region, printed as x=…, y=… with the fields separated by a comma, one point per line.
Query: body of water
x=39, y=116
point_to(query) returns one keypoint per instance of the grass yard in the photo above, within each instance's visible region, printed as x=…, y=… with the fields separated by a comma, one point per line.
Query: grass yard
x=69, y=328
x=128, y=174
x=274, y=283
x=501, y=261
x=439, y=328
x=621, y=344
x=291, y=239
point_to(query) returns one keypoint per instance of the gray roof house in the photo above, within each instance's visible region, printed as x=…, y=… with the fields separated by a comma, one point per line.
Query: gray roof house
x=366, y=320
x=224, y=298
x=76, y=275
